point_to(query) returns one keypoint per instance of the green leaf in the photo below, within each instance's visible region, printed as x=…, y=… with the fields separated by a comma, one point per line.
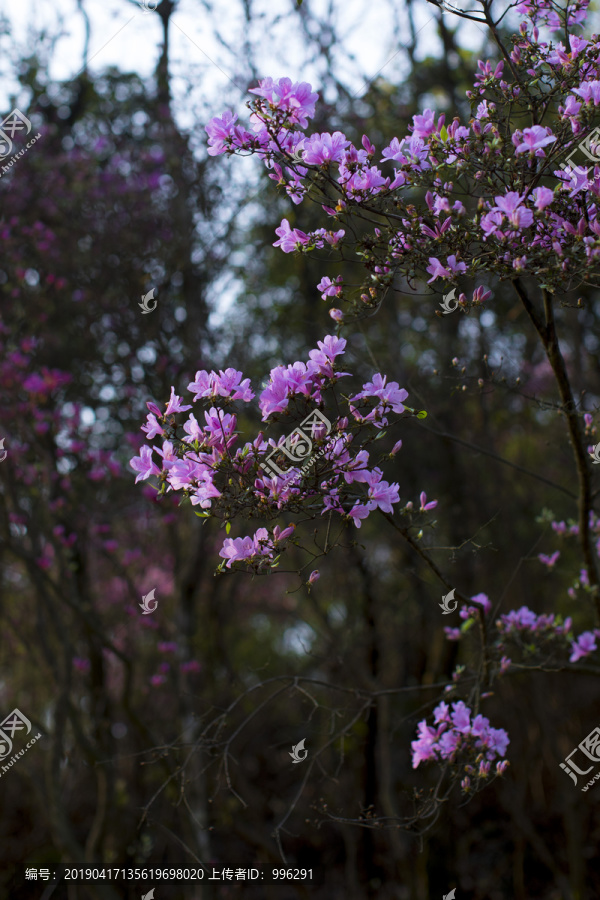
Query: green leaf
x=202, y=515
x=227, y=527
x=467, y=625
x=422, y=414
x=444, y=133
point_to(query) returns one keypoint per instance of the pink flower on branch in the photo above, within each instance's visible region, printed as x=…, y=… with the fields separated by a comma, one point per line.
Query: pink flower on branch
x=143, y=464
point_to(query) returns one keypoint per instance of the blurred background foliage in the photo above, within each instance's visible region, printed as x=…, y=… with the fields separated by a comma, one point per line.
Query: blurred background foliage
x=116, y=199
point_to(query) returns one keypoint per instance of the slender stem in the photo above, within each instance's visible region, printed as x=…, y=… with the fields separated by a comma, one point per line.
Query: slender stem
x=549, y=337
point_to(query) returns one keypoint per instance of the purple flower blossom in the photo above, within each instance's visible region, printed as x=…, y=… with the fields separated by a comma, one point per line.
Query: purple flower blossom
x=437, y=270
x=456, y=734
x=357, y=513
x=461, y=717
x=296, y=98
x=143, y=464
x=152, y=428
x=390, y=396
x=290, y=238
x=589, y=91
x=425, y=125
x=381, y=494
x=449, y=743
x=534, y=139
x=583, y=646
x=483, y=600
x=330, y=288
x=549, y=560
x=441, y=713
x=324, y=148
x=519, y=216
x=235, y=549
x=219, y=130
x=543, y=197
x=174, y=404
x=452, y=634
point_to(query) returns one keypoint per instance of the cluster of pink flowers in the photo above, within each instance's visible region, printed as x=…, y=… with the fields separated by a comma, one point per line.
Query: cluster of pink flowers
x=525, y=625
x=521, y=225
x=456, y=735
x=463, y=170
x=200, y=459
x=251, y=548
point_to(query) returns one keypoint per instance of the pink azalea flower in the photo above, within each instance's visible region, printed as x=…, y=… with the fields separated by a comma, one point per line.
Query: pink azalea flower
x=235, y=549
x=510, y=205
x=174, y=405
x=583, y=646
x=357, y=513
x=382, y=495
x=330, y=288
x=534, y=139
x=152, y=428
x=203, y=385
x=289, y=238
x=543, y=197
x=324, y=148
x=218, y=130
x=461, y=717
x=452, y=634
x=143, y=464
x=549, y=560
x=589, y=91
